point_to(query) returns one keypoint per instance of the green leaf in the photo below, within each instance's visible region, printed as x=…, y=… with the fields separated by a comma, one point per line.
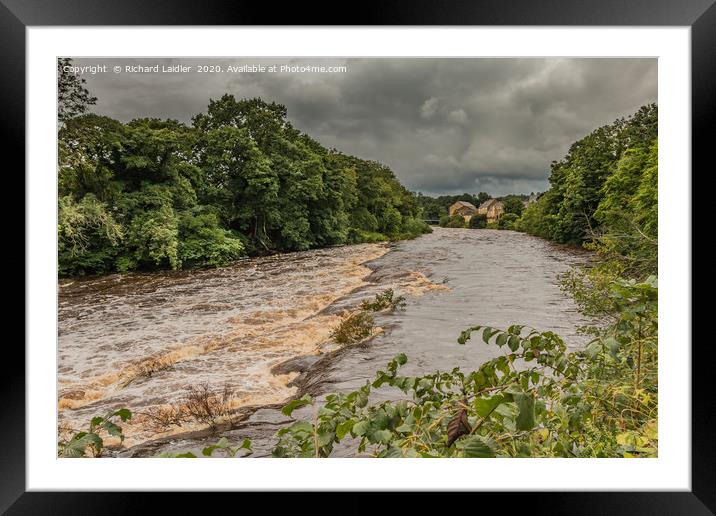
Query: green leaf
x=392, y=453
x=501, y=339
x=123, y=413
x=324, y=438
x=487, y=334
x=484, y=406
x=381, y=436
x=612, y=345
x=360, y=428
x=79, y=443
x=381, y=378
x=526, y=417
x=361, y=399
x=343, y=428
x=222, y=443
x=507, y=410
x=593, y=348
x=294, y=404
x=465, y=334
x=113, y=429
x=301, y=426
x=515, y=329
x=475, y=447
x=513, y=343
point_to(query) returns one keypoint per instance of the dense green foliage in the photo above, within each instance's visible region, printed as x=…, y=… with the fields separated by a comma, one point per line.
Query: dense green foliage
x=455, y=221
x=385, y=301
x=478, y=221
x=514, y=204
x=605, y=190
x=240, y=180
x=506, y=221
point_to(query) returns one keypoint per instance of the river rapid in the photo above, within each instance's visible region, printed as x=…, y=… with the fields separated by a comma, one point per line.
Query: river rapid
x=258, y=331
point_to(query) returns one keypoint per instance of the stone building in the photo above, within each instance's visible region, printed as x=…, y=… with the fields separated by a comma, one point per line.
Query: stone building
x=463, y=208
x=492, y=208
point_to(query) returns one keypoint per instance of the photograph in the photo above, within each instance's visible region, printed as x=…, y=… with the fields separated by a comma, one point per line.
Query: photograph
x=357, y=257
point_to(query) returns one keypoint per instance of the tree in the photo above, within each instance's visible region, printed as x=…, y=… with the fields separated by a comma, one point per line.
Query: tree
x=513, y=204
x=482, y=197
x=478, y=221
x=507, y=221
x=156, y=193
x=73, y=99
x=456, y=221
x=567, y=210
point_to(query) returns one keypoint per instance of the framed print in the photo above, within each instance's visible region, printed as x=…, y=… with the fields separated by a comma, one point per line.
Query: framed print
x=289, y=254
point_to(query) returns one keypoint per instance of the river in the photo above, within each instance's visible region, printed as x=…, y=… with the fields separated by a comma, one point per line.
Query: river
x=144, y=341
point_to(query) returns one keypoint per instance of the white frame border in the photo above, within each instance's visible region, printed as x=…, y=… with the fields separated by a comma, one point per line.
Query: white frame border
x=670, y=471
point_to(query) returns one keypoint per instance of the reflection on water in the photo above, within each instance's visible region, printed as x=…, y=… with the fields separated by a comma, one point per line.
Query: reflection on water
x=231, y=325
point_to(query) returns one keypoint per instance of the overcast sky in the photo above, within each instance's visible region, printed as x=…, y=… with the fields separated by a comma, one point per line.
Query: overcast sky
x=445, y=126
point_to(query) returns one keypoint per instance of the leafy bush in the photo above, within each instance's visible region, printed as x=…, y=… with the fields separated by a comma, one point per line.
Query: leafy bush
x=513, y=204
x=153, y=238
x=204, y=242
x=386, y=300
x=90, y=442
x=628, y=214
x=87, y=234
x=358, y=236
x=355, y=328
x=412, y=228
x=507, y=221
x=478, y=221
x=456, y=221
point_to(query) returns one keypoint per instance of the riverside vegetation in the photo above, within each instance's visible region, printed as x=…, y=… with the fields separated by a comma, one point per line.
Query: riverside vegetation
x=240, y=180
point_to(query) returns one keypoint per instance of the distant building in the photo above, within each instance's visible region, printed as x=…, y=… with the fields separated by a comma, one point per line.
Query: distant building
x=463, y=208
x=531, y=200
x=492, y=208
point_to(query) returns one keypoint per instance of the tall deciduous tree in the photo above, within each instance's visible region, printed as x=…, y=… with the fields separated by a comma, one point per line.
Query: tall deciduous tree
x=73, y=99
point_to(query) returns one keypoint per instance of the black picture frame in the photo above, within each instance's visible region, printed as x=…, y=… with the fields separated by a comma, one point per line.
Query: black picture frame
x=700, y=15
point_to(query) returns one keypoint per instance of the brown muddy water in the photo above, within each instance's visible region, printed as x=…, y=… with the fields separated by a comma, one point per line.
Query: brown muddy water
x=141, y=341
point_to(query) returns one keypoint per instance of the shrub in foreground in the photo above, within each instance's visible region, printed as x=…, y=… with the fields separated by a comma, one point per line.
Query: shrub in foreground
x=478, y=221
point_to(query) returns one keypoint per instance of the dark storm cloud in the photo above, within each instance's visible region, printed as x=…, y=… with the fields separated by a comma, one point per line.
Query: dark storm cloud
x=443, y=125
